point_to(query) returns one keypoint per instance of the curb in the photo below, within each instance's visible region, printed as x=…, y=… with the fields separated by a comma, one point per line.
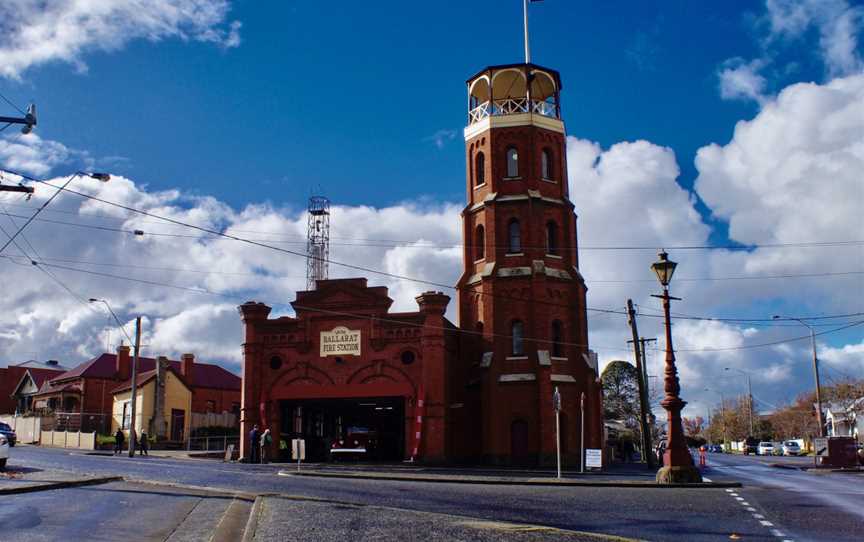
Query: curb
x=60, y=485
x=252, y=521
x=512, y=482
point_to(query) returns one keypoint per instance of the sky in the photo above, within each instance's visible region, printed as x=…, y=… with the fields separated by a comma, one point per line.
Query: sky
x=735, y=125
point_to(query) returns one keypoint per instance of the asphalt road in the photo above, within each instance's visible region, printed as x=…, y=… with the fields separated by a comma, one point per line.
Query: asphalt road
x=648, y=514
x=810, y=506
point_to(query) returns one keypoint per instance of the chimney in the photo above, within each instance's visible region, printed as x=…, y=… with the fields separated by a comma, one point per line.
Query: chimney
x=123, y=363
x=52, y=362
x=187, y=366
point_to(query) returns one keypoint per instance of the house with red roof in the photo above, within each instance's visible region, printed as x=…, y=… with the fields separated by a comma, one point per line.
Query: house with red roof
x=82, y=398
x=11, y=380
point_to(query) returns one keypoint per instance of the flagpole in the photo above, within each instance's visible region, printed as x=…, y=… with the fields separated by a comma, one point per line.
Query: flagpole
x=525, y=17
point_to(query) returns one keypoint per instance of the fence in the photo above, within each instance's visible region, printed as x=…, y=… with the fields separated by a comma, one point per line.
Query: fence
x=211, y=419
x=212, y=444
x=69, y=439
x=27, y=428
x=87, y=422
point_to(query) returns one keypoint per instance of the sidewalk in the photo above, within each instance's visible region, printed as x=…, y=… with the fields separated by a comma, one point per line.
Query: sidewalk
x=16, y=479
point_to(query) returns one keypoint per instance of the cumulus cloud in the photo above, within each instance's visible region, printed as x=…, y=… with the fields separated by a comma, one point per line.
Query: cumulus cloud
x=35, y=32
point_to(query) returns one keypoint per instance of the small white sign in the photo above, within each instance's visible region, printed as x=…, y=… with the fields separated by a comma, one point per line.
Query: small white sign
x=594, y=458
x=298, y=449
x=821, y=447
x=340, y=342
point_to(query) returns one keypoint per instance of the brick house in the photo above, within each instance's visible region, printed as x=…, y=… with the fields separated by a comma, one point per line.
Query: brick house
x=82, y=397
x=11, y=382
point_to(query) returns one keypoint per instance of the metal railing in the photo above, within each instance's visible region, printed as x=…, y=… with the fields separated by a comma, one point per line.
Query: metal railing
x=512, y=106
x=212, y=444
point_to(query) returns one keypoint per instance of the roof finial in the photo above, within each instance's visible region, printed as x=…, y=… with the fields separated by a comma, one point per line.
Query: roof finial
x=527, y=41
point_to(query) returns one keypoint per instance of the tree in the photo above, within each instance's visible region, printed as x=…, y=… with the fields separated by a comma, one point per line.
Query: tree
x=621, y=392
x=693, y=426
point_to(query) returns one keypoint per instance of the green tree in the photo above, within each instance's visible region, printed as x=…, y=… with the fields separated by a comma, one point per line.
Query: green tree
x=621, y=392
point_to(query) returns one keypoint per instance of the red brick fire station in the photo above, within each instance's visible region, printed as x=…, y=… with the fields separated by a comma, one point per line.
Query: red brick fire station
x=346, y=372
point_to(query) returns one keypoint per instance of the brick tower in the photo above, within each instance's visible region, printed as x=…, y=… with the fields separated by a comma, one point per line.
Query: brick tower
x=521, y=293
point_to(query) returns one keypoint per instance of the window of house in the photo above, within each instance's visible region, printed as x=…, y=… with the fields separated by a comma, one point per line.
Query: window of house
x=211, y=406
x=517, y=333
x=127, y=415
x=480, y=243
x=479, y=169
x=551, y=238
x=515, y=237
x=512, y=162
x=557, y=338
x=546, y=164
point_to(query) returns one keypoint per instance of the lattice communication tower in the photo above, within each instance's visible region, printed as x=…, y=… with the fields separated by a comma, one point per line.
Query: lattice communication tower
x=317, y=241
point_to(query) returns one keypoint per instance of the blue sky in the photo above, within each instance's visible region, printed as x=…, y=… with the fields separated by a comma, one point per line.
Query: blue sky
x=347, y=95
x=232, y=112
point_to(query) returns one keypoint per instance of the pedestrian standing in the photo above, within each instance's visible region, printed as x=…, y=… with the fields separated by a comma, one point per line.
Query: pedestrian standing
x=254, y=443
x=266, y=441
x=118, y=442
x=142, y=446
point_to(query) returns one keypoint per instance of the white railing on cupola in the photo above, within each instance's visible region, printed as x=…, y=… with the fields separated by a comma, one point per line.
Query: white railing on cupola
x=511, y=106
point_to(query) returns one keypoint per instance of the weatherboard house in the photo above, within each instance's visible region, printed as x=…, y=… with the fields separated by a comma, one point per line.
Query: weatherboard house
x=344, y=371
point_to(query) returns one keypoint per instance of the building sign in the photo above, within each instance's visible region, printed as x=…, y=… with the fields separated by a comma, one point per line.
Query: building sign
x=340, y=342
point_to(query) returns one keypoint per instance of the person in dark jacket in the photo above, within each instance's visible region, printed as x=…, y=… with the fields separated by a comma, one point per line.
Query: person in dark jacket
x=254, y=443
x=143, y=444
x=118, y=442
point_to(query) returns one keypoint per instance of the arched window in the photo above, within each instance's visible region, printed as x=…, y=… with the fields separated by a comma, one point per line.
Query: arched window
x=551, y=238
x=546, y=164
x=557, y=339
x=479, y=169
x=514, y=245
x=517, y=331
x=512, y=162
x=479, y=243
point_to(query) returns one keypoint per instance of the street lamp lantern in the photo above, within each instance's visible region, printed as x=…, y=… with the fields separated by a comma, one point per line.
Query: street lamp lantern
x=664, y=268
x=677, y=463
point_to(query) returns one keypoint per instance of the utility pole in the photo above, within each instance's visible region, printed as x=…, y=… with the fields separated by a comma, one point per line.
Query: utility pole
x=132, y=434
x=647, y=456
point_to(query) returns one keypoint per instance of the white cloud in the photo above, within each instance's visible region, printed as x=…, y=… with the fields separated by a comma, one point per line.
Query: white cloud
x=742, y=80
x=837, y=22
x=30, y=154
x=35, y=32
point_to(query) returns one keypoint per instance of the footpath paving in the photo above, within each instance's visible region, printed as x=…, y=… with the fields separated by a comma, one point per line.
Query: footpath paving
x=19, y=479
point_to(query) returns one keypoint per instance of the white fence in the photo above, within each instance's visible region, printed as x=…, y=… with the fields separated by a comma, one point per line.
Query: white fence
x=27, y=428
x=69, y=439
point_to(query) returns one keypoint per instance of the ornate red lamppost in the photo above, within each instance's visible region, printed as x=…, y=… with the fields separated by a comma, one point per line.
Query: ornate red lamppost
x=677, y=463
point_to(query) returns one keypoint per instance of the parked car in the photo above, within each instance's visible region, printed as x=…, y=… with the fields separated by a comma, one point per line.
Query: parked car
x=790, y=447
x=359, y=443
x=765, y=448
x=715, y=449
x=7, y=431
x=751, y=446
x=4, y=451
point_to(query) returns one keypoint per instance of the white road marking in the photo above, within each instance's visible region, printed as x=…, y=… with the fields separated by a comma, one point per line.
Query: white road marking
x=751, y=509
x=739, y=498
x=766, y=523
x=758, y=516
x=730, y=491
x=777, y=533
x=745, y=503
x=707, y=480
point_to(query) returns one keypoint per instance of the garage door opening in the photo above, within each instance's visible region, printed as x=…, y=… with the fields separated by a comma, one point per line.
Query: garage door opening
x=368, y=429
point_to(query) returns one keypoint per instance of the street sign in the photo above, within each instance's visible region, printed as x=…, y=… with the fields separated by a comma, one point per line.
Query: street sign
x=298, y=449
x=594, y=458
x=821, y=447
x=556, y=400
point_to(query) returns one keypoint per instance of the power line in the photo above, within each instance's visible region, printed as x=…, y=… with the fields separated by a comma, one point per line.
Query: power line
x=343, y=264
x=411, y=324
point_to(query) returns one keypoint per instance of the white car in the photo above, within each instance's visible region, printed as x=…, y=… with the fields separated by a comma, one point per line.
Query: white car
x=765, y=448
x=4, y=451
x=790, y=447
